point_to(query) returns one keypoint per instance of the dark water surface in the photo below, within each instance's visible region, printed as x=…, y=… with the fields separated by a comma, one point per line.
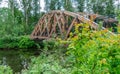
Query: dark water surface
x=17, y=60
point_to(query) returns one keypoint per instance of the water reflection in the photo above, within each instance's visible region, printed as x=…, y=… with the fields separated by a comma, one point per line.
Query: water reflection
x=15, y=59
x=4, y=61
x=25, y=64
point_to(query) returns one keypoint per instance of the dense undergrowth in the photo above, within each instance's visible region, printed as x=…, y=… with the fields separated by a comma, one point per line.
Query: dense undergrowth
x=85, y=52
x=21, y=42
x=95, y=52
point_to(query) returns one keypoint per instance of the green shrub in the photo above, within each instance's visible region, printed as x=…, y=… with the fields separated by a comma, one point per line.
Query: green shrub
x=21, y=42
x=9, y=42
x=51, y=44
x=5, y=70
x=46, y=65
x=25, y=42
x=95, y=52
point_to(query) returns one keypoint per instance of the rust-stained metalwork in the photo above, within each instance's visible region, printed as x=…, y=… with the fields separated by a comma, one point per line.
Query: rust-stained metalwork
x=58, y=23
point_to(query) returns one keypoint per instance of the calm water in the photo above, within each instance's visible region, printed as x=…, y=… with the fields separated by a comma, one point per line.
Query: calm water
x=17, y=60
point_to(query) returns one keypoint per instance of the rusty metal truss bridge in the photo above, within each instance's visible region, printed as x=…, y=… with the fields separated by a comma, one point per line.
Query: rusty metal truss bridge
x=59, y=23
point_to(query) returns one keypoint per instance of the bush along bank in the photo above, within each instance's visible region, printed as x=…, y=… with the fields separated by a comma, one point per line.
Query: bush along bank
x=95, y=52
x=21, y=42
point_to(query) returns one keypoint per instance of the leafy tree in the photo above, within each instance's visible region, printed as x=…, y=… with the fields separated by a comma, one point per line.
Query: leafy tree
x=98, y=6
x=67, y=5
x=36, y=11
x=12, y=6
x=26, y=8
x=53, y=4
x=6, y=25
x=103, y=7
x=118, y=5
x=59, y=5
x=0, y=1
x=47, y=5
x=110, y=9
x=81, y=4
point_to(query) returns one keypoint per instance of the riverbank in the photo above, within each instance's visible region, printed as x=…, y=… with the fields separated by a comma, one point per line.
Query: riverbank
x=87, y=53
x=20, y=42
